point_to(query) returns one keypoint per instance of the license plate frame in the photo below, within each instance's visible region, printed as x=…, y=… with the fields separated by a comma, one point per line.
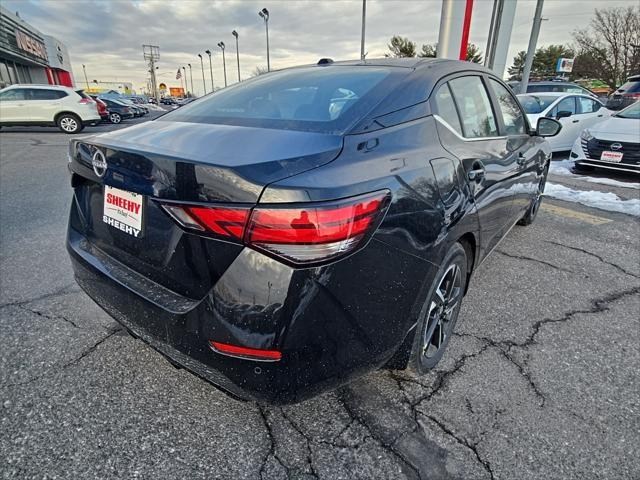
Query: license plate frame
x=123, y=210
x=611, y=157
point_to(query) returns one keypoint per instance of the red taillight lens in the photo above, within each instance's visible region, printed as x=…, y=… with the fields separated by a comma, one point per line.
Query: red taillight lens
x=301, y=234
x=244, y=352
x=86, y=101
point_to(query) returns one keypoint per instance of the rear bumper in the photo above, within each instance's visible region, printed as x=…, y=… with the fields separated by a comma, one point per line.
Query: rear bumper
x=308, y=315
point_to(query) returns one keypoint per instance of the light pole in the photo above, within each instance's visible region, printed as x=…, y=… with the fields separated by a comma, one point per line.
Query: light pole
x=208, y=52
x=264, y=14
x=204, y=85
x=84, y=69
x=235, y=34
x=191, y=75
x=186, y=83
x=224, y=62
x=364, y=21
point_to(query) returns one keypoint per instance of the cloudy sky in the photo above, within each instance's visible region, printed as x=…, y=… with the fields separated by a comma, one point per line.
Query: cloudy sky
x=107, y=36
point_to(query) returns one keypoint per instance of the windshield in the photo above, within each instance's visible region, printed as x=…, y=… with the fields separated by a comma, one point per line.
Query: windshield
x=632, y=86
x=322, y=99
x=632, y=111
x=535, y=103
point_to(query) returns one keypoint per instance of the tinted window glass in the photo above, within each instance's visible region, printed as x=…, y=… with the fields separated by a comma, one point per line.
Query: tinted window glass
x=14, y=94
x=475, y=108
x=42, y=94
x=316, y=98
x=630, y=87
x=535, y=103
x=587, y=105
x=566, y=105
x=512, y=115
x=446, y=108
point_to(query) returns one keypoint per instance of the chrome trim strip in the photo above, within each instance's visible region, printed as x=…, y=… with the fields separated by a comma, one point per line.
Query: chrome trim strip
x=444, y=123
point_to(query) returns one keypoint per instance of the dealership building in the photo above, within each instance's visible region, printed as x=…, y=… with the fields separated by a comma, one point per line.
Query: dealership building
x=29, y=56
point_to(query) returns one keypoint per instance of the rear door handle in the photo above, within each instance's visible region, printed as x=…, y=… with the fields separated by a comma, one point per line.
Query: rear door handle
x=477, y=171
x=575, y=121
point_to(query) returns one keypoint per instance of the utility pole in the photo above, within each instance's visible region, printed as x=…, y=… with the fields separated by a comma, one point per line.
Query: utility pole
x=235, y=34
x=208, y=52
x=84, y=69
x=224, y=62
x=191, y=75
x=204, y=85
x=364, y=17
x=186, y=84
x=264, y=14
x=531, y=51
x=151, y=53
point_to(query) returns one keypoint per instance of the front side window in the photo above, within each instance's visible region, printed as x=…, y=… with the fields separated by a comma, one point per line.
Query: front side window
x=535, y=103
x=475, y=107
x=324, y=99
x=567, y=104
x=447, y=108
x=512, y=116
x=13, y=94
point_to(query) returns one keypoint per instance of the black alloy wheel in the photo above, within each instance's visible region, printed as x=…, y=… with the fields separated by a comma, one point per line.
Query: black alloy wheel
x=440, y=313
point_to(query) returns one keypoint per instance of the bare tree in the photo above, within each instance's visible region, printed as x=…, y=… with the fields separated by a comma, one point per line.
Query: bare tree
x=610, y=49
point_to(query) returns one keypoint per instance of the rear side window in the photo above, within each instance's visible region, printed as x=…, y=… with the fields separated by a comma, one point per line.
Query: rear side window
x=630, y=87
x=512, y=115
x=587, y=105
x=43, y=94
x=447, y=108
x=82, y=94
x=325, y=99
x=475, y=107
x=13, y=94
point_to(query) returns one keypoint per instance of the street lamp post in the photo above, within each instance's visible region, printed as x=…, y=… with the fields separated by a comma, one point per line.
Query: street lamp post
x=204, y=85
x=224, y=62
x=208, y=52
x=235, y=34
x=186, y=84
x=264, y=14
x=191, y=75
x=84, y=69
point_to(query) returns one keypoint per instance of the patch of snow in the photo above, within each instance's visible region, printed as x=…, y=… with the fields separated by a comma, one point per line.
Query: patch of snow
x=561, y=167
x=603, y=200
x=613, y=183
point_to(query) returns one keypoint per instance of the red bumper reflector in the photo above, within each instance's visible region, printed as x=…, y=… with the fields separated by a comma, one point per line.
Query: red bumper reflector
x=244, y=352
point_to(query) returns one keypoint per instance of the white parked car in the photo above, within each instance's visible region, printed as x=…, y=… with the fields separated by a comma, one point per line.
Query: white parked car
x=573, y=110
x=47, y=105
x=613, y=144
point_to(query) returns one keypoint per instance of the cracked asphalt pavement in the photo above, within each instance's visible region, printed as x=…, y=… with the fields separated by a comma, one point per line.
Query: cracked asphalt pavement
x=540, y=381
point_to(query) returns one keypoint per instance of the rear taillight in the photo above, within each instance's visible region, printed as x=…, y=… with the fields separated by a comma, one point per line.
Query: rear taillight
x=246, y=353
x=302, y=234
x=86, y=101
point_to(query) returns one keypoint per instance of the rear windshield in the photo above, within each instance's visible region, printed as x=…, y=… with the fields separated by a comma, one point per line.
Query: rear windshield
x=321, y=99
x=630, y=87
x=82, y=94
x=632, y=111
x=535, y=103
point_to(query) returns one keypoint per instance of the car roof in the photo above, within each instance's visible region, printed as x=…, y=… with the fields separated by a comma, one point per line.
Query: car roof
x=37, y=85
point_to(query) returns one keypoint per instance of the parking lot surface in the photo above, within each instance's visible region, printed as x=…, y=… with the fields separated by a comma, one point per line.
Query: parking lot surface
x=541, y=380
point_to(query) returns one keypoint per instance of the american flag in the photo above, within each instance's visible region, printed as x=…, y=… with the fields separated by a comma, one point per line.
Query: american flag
x=178, y=75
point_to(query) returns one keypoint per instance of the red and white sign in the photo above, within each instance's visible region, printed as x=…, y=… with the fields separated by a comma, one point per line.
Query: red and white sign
x=123, y=210
x=613, y=157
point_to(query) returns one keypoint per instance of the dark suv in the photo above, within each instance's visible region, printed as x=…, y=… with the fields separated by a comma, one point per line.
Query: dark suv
x=296, y=230
x=625, y=95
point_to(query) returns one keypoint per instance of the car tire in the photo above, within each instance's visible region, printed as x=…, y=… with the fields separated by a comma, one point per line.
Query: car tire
x=439, y=313
x=69, y=123
x=532, y=212
x=115, y=118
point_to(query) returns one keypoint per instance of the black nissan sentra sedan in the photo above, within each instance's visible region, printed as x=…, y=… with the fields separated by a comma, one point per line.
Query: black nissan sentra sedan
x=292, y=232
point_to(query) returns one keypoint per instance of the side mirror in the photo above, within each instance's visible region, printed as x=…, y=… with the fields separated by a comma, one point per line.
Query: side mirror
x=563, y=114
x=548, y=127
